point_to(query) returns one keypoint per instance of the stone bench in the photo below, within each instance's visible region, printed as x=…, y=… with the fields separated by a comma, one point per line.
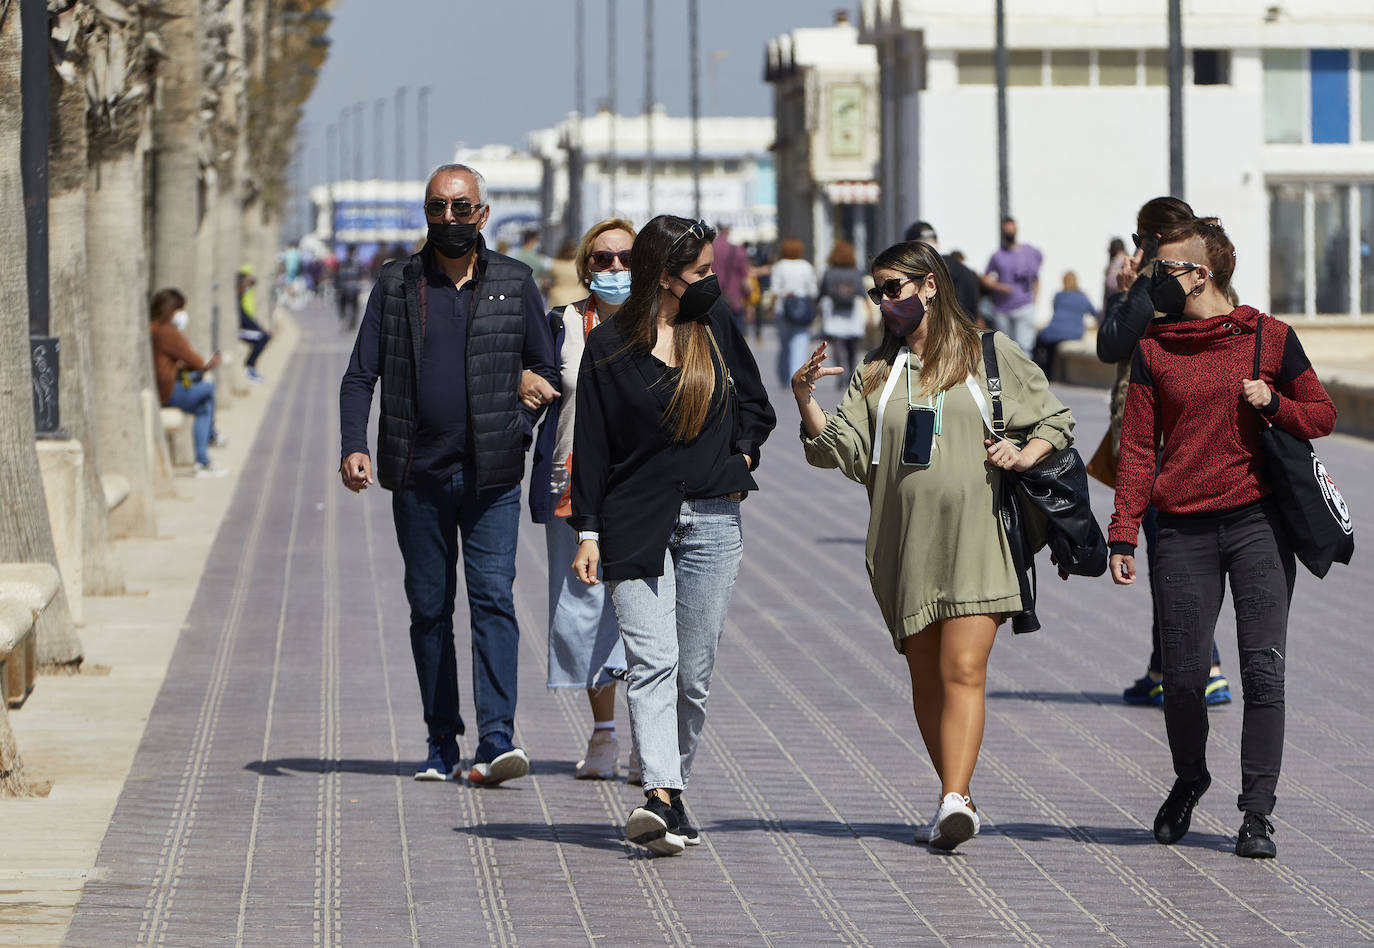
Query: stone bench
x=116, y=489
x=176, y=424
x=26, y=589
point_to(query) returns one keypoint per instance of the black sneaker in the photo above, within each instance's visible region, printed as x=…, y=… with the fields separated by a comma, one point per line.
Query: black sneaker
x=654, y=825
x=1176, y=815
x=1253, y=841
x=689, y=833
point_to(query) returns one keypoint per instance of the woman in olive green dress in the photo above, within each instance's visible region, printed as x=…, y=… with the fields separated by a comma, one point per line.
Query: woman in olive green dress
x=911, y=430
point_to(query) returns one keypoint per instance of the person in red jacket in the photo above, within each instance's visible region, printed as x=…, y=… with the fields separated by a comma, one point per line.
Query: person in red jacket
x=1191, y=393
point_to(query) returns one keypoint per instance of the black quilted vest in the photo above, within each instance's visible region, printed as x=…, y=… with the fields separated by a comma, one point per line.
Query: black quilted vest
x=497, y=430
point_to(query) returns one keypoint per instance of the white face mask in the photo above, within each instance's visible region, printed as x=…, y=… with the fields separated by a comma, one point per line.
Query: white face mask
x=179, y=319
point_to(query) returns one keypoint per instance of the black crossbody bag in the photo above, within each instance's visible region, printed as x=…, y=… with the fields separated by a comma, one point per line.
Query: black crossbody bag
x=1312, y=510
x=1046, y=504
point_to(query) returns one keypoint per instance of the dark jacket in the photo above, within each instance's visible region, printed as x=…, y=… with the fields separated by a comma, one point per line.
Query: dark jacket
x=541, y=470
x=630, y=476
x=499, y=428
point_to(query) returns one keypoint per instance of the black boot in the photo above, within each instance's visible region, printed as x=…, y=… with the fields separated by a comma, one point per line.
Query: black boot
x=1253, y=841
x=1176, y=815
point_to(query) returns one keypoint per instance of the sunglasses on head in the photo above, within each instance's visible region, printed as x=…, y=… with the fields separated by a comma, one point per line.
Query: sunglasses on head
x=891, y=289
x=462, y=208
x=602, y=259
x=697, y=230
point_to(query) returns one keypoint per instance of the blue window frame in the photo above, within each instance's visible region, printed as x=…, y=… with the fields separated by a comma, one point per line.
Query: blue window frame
x=1330, y=96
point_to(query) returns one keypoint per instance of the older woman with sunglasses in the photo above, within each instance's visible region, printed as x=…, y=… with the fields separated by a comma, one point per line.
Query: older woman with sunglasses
x=584, y=641
x=910, y=429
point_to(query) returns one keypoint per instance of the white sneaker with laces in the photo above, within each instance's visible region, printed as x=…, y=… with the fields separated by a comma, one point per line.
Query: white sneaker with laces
x=927, y=830
x=602, y=760
x=210, y=470
x=955, y=822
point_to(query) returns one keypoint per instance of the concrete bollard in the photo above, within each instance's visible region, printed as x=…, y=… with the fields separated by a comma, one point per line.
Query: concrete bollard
x=62, y=465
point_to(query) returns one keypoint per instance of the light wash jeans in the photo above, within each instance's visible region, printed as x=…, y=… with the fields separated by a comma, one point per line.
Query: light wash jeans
x=1019, y=323
x=794, y=348
x=670, y=625
x=585, y=650
x=197, y=400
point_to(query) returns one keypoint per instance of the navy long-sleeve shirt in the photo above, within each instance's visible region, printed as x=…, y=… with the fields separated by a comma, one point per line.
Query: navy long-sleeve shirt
x=441, y=435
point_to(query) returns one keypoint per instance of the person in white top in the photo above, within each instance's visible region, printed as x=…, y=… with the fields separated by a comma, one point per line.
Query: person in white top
x=794, y=290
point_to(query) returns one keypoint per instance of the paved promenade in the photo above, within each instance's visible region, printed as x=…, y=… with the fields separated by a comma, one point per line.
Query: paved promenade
x=271, y=800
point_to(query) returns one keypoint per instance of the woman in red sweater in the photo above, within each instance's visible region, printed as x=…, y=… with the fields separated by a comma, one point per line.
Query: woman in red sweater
x=1192, y=394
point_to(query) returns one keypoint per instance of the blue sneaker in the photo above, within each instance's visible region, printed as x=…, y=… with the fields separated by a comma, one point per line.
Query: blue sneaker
x=1147, y=691
x=1218, y=690
x=497, y=760
x=443, y=762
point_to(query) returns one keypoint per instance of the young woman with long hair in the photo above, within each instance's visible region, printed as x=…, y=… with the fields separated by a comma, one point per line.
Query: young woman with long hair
x=1191, y=391
x=671, y=414
x=910, y=430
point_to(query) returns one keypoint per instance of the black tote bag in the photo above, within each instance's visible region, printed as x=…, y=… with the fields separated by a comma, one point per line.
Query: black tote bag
x=1313, y=512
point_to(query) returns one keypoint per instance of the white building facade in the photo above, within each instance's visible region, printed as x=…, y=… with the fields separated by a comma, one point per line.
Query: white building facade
x=373, y=214
x=825, y=104
x=600, y=166
x=1278, y=104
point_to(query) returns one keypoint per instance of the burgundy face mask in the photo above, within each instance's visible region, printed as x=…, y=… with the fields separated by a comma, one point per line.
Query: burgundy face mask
x=903, y=317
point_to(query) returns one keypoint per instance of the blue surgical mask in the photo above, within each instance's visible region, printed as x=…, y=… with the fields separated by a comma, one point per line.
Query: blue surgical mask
x=613, y=286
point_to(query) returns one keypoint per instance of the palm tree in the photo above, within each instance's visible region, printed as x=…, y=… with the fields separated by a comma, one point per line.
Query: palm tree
x=68, y=281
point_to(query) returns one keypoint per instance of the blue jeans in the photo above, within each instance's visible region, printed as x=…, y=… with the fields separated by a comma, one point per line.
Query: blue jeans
x=671, y=625
x=794, y=347
x=584, y=641
x=197, y=399
x=432, y=522
x=1019, y=323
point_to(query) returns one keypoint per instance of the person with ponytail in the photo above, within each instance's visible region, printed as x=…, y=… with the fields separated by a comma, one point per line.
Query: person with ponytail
x=1190, y=446
x=910, y=428
x=671, y=415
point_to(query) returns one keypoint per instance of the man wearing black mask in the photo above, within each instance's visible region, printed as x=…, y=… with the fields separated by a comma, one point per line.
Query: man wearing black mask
x=965, y=280
x=456, y=333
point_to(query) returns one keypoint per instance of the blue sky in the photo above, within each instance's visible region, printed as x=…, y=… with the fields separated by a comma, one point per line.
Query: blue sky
x=501, y=68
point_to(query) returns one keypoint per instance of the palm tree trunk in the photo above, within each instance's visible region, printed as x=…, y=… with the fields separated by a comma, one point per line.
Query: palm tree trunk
x=103, y=573
x=25, y=533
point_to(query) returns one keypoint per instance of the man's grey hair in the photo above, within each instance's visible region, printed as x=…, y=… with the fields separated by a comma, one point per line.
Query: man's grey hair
x=454, y=166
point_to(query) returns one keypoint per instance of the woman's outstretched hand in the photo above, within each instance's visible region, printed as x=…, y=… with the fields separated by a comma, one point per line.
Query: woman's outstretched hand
x=805, y=378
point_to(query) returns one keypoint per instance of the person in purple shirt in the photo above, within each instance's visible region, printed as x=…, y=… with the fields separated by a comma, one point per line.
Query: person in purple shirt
x=457, y=336
x=1013, y=278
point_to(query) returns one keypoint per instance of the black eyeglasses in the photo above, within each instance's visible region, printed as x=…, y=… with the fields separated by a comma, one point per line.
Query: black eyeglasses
x=462, y=208
x=697, y=230
x=890, y=288
x=602, y=259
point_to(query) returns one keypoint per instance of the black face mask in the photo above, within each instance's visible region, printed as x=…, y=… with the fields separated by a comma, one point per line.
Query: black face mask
x=694, y=305
x=452, y=240
x=1008, y=239
x=1166, y=292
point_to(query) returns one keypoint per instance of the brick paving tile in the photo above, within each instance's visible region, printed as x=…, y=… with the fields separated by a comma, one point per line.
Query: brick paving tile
x=272, y=803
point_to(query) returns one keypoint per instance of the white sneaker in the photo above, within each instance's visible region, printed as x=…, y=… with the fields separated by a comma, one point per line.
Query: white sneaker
x=955, y=822
x=210, y=470
x=633, y=776
x=602, y=760
x=923, y=833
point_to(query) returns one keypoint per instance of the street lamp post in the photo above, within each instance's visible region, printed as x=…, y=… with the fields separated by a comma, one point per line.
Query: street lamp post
x=379, y=142
x=649, y=101
x=1175, y=99
x=422, y=127
x=694, y=71
x=1003, y=187
x=610, y=102
x=401, y=133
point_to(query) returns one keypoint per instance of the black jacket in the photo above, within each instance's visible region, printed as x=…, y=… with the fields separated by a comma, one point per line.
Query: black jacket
x=1125, y=317
x=499, y=428
x=630, y=477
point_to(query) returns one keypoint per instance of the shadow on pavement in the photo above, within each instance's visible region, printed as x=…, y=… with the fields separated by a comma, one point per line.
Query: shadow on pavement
x=1109, y=835
x=604, y=836
x=895, y=832
x=282, y=766
x=1062, y=697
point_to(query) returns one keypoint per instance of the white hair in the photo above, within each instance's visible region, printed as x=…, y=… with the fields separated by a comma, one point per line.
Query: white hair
x=454, y=166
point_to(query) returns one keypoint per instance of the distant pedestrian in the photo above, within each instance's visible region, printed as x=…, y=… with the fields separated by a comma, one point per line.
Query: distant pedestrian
x=671, y=415
x=843, y=313
x=732, y=268
x=910, y=430
x=567, y=287
x=1192, y=395
x=348, y=285
x=794, y=288
x=1125, y=320
x=1013, y=278
x=966, y=286
x=178, y=370
x=585, y=650
x=1116, y=260
x=451, y=449
x=529, y=254
x=250, y=330
x=1071, y=306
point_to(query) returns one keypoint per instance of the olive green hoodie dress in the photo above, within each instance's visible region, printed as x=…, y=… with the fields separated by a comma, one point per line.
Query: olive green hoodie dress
x=935, y=548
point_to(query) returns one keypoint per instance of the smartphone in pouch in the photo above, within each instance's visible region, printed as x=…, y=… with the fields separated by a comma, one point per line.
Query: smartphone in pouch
x=920, y=435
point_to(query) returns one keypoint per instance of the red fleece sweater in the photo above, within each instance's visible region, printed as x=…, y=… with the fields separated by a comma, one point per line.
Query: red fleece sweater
x=1185, y=396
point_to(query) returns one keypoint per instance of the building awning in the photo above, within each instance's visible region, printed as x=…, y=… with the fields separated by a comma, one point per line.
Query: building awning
x=852, y=192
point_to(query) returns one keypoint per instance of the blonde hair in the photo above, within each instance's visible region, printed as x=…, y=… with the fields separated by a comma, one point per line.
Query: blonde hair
x=583, y=254
x=1070, y=280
